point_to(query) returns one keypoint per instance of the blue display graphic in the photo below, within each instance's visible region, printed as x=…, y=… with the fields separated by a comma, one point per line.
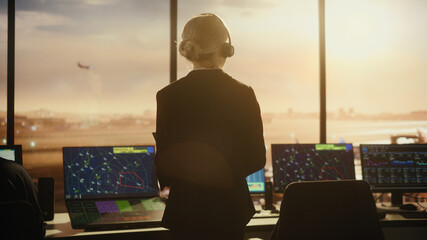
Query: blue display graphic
x=402, y=163
x=99, y=172
x=256, y=182
x=311, y=162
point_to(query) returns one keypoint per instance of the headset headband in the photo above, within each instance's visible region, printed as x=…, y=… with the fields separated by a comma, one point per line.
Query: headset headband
x=227, y=50
x=226, y=29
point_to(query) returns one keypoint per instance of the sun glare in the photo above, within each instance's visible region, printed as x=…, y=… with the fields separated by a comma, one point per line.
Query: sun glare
x=358, y=31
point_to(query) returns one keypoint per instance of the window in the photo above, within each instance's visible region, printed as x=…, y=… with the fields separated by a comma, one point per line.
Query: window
x=376, y=76
x=376, y=57
x=276, y=46
x=86, y=74
x=87, y=71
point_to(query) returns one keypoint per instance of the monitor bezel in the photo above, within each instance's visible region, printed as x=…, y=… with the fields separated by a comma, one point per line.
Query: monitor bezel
x=353, y=173
x=18, y=152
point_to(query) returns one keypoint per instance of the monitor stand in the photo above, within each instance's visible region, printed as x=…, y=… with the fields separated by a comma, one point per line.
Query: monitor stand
x=396, y=201
x=268, y=196
x=396, y=198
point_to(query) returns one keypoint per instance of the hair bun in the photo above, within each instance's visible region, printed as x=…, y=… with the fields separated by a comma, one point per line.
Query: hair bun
x=190, y=49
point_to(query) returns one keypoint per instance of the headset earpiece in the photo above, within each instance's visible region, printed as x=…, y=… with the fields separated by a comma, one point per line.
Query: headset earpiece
x=227, y=50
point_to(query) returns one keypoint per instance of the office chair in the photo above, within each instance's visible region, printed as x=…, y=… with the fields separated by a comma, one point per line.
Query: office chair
x=328, y=210
x=17, y=221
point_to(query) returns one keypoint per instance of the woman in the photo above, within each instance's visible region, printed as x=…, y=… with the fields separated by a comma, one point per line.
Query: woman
x=209, y=137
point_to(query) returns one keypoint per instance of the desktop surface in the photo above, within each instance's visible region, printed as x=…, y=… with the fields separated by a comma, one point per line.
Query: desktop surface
x=393, y=224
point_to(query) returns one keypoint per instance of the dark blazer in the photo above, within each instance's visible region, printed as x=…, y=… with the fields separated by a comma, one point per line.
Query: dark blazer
x=209, y=138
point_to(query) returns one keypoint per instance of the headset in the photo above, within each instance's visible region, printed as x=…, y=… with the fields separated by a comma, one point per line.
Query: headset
x=227, y=50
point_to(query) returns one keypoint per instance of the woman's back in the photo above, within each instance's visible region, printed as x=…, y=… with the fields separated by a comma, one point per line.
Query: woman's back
x=209, y=137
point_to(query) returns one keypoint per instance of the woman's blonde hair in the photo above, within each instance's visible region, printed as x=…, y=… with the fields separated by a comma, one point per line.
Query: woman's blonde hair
x=202, y=36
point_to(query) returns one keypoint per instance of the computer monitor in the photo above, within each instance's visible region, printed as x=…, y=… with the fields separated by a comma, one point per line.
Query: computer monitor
x=256, y=182
x=12, y=153
x=395, y=168
x=106, y=171
x=311, y=162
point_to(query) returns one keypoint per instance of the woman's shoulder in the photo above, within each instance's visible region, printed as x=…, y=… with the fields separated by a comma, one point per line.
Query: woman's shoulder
x=173, y=86
x=237, y=84
x=208, y=78
x=220, y=75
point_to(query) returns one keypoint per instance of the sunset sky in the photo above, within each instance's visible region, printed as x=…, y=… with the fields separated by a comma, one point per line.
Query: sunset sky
x=376, y=53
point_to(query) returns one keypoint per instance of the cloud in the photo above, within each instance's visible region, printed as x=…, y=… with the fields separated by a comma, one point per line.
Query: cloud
x=100, y=2
x=251, y=4
x=90, y=17
x=33, y=19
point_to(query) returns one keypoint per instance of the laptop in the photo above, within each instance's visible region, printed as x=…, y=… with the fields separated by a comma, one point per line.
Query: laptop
x=256, y=182
x=11, y=153
x=111, y=187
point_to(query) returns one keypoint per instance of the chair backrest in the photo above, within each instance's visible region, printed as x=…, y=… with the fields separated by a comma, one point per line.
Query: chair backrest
x=328, y=210
x=17, y=220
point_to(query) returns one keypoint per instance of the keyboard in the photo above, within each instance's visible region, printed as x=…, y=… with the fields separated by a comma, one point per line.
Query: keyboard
x=266, y=214
x=414, y=214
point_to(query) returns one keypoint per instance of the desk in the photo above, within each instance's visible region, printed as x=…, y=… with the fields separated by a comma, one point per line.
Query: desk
x=60, y=228
x=394, y=226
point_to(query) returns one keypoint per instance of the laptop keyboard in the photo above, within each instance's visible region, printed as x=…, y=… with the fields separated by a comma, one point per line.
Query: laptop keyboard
x=153, y=205
x=93, y=212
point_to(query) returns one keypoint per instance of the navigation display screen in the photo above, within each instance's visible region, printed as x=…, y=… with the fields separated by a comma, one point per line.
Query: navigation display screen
x=11, y=153
x=311, y=162
x=394, y=166
x=100, y=172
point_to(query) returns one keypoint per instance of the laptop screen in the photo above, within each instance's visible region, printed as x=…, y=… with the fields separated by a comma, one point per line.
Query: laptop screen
x=12, y=153
x=109, y=172
x=311, y=162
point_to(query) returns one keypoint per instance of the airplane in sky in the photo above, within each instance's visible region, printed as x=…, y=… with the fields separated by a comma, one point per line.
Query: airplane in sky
x=85, y=67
